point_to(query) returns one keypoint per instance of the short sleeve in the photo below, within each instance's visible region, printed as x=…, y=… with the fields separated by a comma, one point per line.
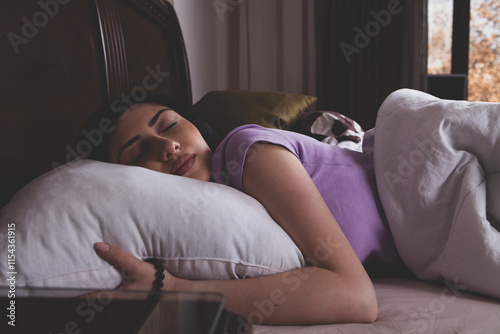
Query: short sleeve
x=229, y=158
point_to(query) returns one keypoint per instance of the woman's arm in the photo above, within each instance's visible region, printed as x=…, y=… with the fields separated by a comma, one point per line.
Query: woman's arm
x=340, y=287
x=336, y=289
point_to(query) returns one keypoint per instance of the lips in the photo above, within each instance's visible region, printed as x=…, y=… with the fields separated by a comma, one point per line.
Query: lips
x=183, y=164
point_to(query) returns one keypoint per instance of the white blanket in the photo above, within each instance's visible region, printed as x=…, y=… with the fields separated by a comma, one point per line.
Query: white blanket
x=437, y=165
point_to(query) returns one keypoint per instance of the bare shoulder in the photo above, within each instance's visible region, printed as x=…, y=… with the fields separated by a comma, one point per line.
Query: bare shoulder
x=276, y=177
x=270, y=169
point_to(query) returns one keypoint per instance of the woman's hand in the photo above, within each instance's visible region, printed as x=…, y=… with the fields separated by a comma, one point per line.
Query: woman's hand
x=138, y=275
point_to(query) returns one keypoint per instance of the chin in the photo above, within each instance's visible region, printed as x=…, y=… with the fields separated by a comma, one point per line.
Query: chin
x=202, y=176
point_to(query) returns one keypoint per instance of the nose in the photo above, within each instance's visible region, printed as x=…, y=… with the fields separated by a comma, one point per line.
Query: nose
x=167, y=147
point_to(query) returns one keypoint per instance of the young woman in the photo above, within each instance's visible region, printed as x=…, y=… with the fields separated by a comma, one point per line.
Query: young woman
x=291, y=175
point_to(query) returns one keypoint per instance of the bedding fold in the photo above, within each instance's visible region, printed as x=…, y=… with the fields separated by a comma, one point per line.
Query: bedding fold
x=437, y=164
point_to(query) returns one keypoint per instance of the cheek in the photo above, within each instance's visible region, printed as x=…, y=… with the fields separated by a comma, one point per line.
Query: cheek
x=196, y=138
x=149, y=162
x=156, y=166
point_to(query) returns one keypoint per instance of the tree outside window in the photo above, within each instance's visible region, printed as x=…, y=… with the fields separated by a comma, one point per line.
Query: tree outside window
x=484, y=46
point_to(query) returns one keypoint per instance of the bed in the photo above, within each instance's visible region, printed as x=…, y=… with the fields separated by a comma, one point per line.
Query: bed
x=61, y=63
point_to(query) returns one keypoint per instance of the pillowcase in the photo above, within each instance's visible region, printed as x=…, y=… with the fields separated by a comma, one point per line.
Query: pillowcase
x=225, y=110
x=332, y=128
x=200, y=230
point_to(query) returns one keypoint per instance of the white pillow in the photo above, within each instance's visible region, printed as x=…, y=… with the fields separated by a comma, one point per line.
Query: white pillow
x=200, y=230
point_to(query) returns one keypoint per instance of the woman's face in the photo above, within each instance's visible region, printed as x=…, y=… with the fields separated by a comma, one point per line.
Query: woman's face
x=155, y=137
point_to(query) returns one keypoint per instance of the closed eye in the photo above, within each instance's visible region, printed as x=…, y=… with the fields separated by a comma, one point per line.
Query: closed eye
x=168, y=127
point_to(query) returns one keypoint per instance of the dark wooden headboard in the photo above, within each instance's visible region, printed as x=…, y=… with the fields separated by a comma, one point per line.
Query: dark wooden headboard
x=62, y=61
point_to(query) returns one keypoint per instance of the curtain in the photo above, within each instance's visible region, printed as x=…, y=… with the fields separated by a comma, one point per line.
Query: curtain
x=366, y=50
x=249, y=44
x=308, y=47
x=267, y=45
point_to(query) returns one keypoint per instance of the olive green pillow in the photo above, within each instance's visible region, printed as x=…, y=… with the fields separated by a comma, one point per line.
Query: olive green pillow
x=225, y=110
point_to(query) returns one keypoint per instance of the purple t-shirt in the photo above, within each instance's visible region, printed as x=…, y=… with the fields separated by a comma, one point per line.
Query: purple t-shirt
x=344, y=178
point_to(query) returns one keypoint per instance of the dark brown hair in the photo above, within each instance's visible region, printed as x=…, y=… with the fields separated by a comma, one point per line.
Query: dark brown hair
x=101, y=151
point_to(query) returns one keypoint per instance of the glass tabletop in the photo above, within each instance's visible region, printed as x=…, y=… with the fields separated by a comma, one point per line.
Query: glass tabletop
x=55, y=311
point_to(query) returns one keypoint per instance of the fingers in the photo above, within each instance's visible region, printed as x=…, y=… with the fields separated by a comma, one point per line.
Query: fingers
x=136, y=274
x=118, y=258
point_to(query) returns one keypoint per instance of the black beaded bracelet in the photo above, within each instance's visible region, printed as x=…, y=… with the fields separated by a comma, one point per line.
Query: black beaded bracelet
x=159, y=276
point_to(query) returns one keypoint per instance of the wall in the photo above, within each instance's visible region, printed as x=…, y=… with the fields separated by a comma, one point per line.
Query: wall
x=197, y=23
x=255, y=45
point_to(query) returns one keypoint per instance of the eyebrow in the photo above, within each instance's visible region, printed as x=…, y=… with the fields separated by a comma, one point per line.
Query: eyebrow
x=151, y=123
x=155, y=117
x=127, y=144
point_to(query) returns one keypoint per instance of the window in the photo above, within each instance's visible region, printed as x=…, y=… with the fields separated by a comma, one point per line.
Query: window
x=440, y=16
x=464, y=49
x=484, y=51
